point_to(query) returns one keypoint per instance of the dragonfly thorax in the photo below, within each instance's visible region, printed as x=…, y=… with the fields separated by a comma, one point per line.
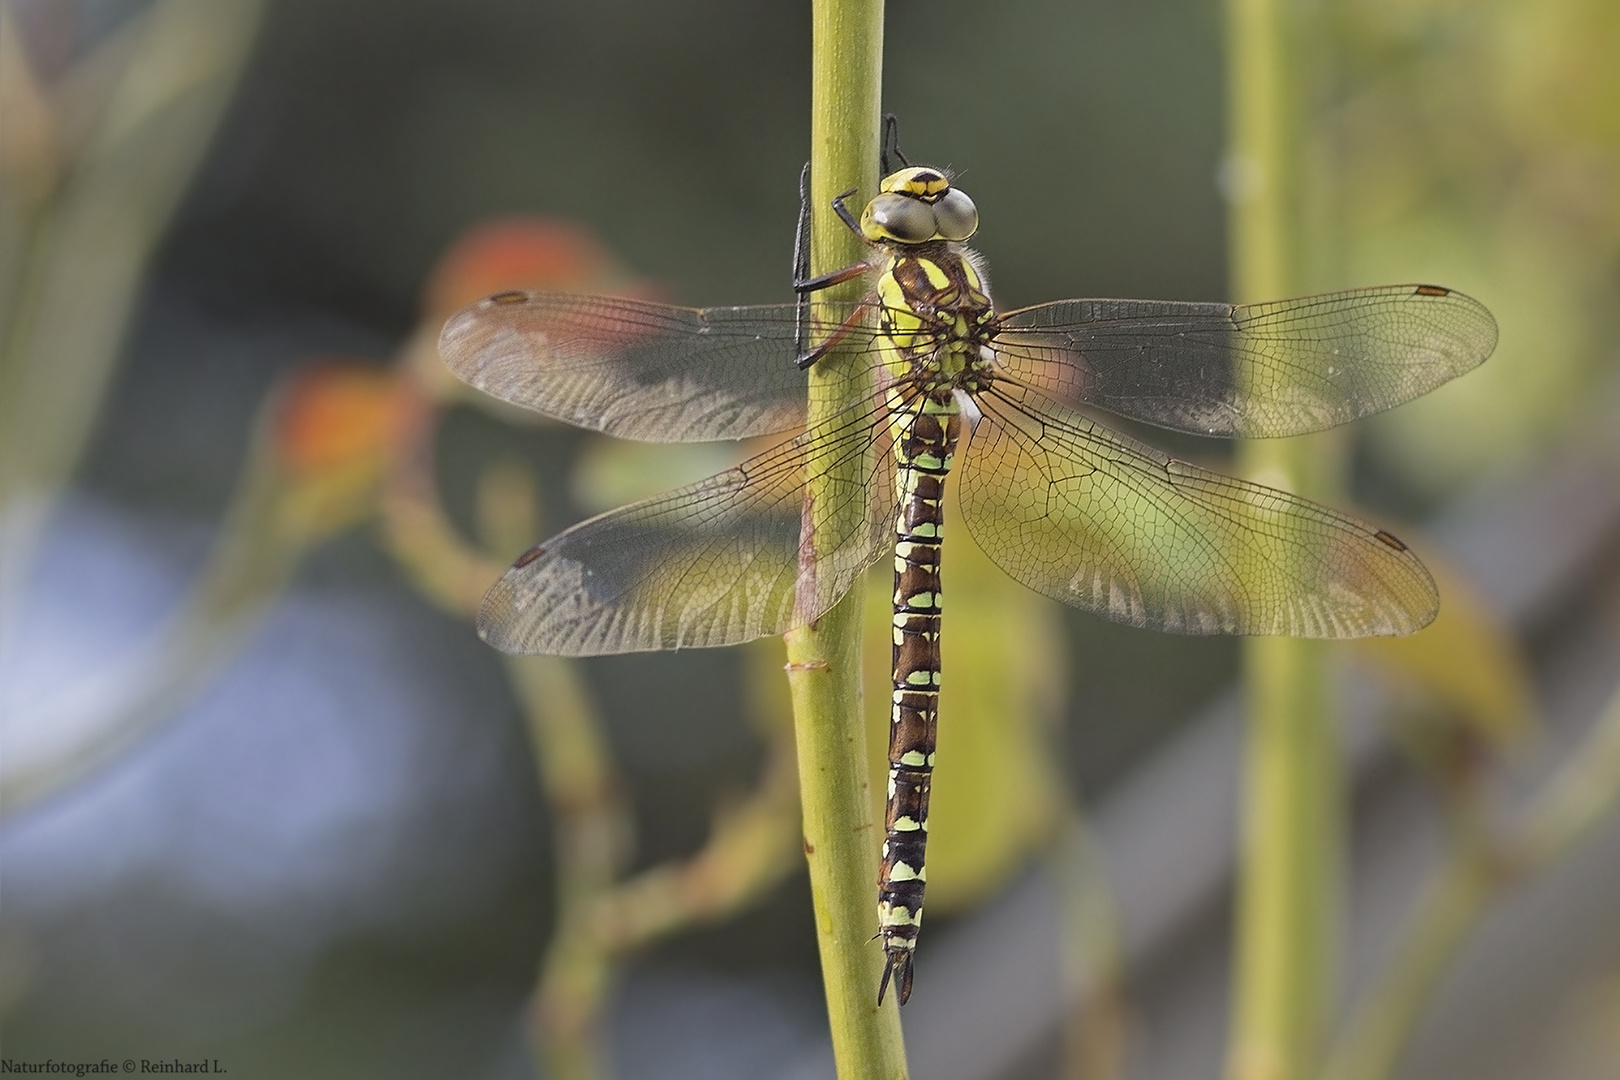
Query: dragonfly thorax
x=918, y=205
x=938, y=318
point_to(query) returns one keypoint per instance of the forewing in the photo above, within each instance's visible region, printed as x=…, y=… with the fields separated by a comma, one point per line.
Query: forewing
x=1102, y=522
x=637, y=369
x=714, y=563
x=1283, y=367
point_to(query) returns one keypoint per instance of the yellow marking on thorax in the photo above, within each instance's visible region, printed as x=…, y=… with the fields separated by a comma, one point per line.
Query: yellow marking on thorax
x=937, y=277
x=897, y=307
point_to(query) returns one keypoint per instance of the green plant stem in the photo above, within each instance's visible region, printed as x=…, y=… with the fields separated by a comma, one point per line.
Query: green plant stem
x=1447, y=908
x=1291, y=832
x=260, y=545
x=824, y=668
x=1577, y=798
x=591, y=821
x=592, y=828
x=82, y=205
x=1475, y=871
x=1096, y=1026
x=1289, y=871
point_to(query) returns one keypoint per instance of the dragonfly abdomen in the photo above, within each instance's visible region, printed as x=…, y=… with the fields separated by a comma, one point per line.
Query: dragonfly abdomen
x=926, y=432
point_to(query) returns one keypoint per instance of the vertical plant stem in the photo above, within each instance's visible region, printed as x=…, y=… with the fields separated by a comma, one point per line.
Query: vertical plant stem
x=1291, y=831
x=824, y=669
x=1291, y=841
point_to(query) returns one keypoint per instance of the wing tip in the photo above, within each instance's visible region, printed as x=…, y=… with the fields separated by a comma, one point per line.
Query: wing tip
x=464, y=324
x=1411, y=604
x=494, y=629
x=451, y=337
x=1483, y=336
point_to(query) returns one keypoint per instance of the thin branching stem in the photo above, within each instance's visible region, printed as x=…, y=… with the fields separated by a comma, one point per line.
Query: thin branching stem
x=1477, y=868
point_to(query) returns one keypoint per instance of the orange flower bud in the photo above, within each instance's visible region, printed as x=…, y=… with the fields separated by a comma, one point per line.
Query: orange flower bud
x=516, y=253
x=336, y=414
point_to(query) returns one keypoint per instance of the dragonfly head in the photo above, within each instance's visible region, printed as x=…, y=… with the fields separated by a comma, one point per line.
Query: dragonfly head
x=917, y=205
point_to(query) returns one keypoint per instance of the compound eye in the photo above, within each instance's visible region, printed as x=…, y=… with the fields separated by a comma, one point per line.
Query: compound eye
x=891, y=216
x=955, y=216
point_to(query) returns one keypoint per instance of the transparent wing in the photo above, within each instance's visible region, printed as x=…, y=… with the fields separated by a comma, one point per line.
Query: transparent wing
x=1102, y=522
x=1283, y=367
x=637, y=369
x=713, y=563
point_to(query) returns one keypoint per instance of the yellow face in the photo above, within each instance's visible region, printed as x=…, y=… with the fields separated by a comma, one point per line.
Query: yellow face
x=917, y=205
x=917, y=180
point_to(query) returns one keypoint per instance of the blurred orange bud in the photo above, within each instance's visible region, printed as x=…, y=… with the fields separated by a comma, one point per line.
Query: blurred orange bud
x=517, y=253
x=336, y=414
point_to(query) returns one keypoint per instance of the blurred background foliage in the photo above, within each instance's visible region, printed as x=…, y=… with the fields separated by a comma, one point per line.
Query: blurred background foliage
x=266, y=797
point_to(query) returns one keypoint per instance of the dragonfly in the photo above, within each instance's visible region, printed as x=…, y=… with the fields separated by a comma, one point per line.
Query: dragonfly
x=928, y=368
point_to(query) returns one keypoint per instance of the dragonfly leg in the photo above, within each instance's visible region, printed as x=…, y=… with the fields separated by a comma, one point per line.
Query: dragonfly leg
x=826, y=281
x=891, y=145
x=801, y=232
x=808, y=357
x=804, y=284
x=847, y=216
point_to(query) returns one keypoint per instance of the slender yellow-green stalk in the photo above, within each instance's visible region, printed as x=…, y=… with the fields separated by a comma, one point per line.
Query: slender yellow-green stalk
x=824, y=669
x=1448, y=907
x=1478, y=867
x=1291, y=830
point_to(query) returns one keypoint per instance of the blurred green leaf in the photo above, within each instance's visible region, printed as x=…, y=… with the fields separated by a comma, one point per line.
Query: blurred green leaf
x=1466, y=661
x=612, y=472
x=1478, y=145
